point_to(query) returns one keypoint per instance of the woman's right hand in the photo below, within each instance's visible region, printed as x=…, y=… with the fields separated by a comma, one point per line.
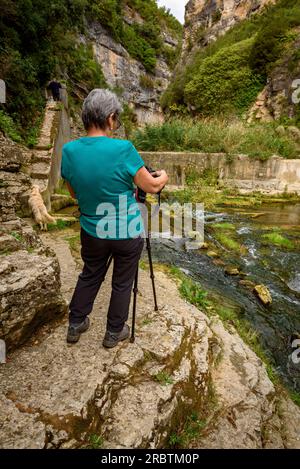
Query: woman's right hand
x=151, y=183
x=162, y=175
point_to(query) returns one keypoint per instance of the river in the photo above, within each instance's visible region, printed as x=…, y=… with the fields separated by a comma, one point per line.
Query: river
x=276, y=267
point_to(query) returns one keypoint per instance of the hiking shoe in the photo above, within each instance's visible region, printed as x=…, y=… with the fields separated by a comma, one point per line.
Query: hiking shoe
x=75, y=330
x=111, y=339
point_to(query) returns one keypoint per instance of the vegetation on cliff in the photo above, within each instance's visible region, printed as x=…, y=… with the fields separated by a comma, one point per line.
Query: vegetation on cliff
x=39, y=40
x=226, y=75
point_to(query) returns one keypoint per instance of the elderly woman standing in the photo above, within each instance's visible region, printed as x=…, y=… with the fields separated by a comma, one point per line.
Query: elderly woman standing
x=100, y=172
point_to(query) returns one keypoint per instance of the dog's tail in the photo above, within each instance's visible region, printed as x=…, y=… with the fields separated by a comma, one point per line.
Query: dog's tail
x=46, y=216
x=36, y=214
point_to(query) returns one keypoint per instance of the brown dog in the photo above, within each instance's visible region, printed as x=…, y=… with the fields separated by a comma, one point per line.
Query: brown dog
x=38, y=208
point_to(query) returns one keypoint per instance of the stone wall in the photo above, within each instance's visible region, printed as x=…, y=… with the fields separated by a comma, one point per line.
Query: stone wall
x=29, y=271
x=276, y=175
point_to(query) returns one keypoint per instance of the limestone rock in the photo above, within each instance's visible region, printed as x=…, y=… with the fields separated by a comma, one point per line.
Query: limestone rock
x=219, y=262
x=11, y=156
x=121, y=70
x=9, y=243
x=206, y=20
x=263, y=294
x=29, y=295
x=13, y=181
x=204, y=245
x=245, y=395
x=279, y=92
x=29, y=271
x=60, y=201
x=212, y=254
x=195, y=235
x=71, y=393
x=229, y=270
x=247, y=283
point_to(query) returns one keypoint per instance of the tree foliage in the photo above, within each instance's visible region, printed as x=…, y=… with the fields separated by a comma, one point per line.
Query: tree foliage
x=40, y=39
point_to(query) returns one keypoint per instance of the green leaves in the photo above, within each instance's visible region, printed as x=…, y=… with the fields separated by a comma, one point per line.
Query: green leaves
x=193, y=292
x=258, y=140
x=226, y=76
x=222, y=79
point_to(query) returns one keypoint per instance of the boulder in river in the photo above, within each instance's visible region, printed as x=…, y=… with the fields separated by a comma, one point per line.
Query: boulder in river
x=247, y=283
x=212, y=254
x=218, y=262
x=263, y=294
x=195, y=235
x=230, y=270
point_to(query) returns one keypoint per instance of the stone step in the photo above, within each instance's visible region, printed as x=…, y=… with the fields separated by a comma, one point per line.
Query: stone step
x=60, y=201
x=67, y=220
x=43, y=147
x=9, y=243
x=41, y=183
x=41, y=156
x=40, y=170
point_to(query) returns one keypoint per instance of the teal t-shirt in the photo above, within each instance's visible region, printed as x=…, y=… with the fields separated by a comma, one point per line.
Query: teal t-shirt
x=101, y=170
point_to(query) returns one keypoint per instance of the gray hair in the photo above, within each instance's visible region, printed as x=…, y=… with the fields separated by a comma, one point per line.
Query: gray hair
x=98, y=105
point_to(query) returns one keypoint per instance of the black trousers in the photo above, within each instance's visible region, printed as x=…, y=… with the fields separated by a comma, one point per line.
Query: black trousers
x=95, y=253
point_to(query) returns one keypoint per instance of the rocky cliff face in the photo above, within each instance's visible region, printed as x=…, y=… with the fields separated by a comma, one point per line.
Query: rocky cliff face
x=205, y=20
x=282, y=92
x=123, y=72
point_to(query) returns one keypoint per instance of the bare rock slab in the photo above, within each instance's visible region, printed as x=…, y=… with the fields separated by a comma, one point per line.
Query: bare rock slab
x=29, y=294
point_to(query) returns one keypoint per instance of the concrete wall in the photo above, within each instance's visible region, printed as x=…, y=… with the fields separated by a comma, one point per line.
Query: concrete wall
x=63, y=135
x=276, y=175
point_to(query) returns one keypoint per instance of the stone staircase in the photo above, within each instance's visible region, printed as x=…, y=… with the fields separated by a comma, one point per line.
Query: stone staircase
x=42, y=153
x=44, y=169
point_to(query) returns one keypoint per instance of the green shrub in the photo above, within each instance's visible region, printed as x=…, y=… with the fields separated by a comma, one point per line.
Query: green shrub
x=142, y=41
x=160, y=137
x=147, y=82
x=108, y=12
x=138, y=48
x=258, y=140
x=273, y=33
x=128, y=119
x=171, y=54
x=227, y=75
x=216, y=16
x=194, y=293
x=8, y=127
x=149, y=10
x=222, y=79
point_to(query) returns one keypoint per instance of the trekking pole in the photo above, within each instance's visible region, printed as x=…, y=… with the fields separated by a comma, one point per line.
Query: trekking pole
x=135, y=292
x=151, y=271
x=108, y=264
